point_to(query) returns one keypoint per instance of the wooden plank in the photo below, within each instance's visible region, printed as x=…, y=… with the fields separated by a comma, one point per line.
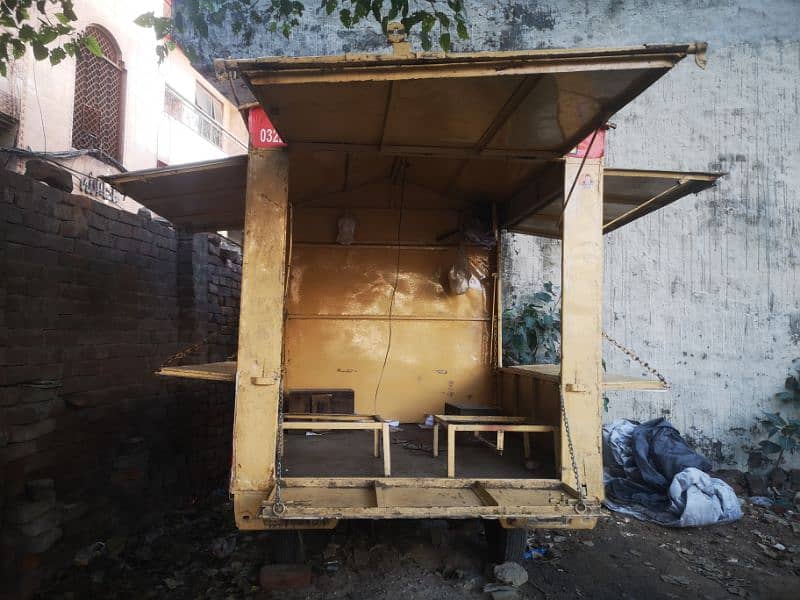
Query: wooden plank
x=581, y=320
x=611, y=381
x=447, y=419
x=451, y=452
x=422, y=482
x=380, y=495
x=338, y=425
x=219, y=371
x=260, y=323
x=330, y=417
x=510, y=427
x=387, y=451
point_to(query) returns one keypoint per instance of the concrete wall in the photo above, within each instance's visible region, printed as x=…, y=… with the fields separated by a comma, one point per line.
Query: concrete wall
x=708, y=289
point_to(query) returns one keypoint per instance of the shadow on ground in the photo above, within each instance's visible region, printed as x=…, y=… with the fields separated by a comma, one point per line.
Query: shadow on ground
x=197, y=553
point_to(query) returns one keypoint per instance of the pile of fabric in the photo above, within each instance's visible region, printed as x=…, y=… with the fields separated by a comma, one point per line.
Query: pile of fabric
x=653, y=475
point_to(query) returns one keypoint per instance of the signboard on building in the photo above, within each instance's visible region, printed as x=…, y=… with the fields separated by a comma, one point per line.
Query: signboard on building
x=262, y=133
x=99, y=189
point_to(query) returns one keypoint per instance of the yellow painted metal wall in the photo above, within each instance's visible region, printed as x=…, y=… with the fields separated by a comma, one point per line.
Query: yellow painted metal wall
x=338, y=327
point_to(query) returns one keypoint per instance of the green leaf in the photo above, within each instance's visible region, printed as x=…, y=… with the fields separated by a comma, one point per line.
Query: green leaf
x=27, y=33
x=346, y=18
x=775, y=418
x=57, y=55
x=444, y=42
x=461, y=29
x=201, y=27
x=47, y=35
x=40, y=52
x=330, y=6
x=92, y=45
x=785, y=396
x=768, y=447
x=145, y=19
x=428, y=21
x=63, y=18
x=3, y=69
x=18, y=48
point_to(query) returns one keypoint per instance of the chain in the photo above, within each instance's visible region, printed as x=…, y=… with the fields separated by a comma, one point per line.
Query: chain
x=631, y=354
x=581, y=506
x=278, y=507
x=188, y=350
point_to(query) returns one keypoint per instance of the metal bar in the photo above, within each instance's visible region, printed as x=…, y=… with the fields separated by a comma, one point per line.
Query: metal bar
x=514, y=100
x=386, y=318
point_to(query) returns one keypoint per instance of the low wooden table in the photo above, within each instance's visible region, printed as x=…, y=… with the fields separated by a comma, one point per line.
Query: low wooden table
x=477, y=424
x=311, y=421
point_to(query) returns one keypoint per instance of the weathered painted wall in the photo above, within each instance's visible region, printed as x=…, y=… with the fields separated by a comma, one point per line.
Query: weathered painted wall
x=707, y=290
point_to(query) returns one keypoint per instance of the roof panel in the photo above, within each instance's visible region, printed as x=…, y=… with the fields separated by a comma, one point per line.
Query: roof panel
x=445, y=112
x=507, y=104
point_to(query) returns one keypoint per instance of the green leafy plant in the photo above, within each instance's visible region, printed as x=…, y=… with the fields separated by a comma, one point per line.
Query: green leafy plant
x=44, y=26
x=783, y=436
x=791, y=392
x=248, y=17
x=48, y=26
x=532, y=332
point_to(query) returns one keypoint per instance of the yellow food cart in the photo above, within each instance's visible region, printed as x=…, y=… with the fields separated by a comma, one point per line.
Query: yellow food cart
x=370, y=295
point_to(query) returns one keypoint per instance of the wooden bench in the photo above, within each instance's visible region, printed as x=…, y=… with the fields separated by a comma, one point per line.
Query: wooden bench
x=309, y=421
x=477, y=424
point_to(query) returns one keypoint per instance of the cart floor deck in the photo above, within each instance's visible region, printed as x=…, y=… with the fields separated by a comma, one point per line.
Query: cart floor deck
x=349, y=454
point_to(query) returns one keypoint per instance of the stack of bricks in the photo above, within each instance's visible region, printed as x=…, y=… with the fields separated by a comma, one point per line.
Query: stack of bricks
x=93, y=300
x=224, y=282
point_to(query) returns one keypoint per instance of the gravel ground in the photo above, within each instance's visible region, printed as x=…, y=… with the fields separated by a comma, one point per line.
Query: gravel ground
x=197, y=553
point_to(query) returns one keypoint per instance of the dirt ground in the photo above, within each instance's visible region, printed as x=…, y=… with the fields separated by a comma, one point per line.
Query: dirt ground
x=197, y=553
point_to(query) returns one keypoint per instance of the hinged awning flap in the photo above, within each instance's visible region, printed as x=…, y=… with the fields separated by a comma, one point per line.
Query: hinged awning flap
x=627, y=195
x=520, y=104
x=209, y=196
x=202, y=196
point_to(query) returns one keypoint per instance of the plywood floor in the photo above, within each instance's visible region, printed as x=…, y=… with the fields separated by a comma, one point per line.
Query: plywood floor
x=349, y=454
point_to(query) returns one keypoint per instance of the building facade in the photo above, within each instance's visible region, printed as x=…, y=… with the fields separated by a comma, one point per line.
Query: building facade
x=121, y=111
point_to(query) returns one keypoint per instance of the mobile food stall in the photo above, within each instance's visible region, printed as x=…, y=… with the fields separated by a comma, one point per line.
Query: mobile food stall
x=370, y=289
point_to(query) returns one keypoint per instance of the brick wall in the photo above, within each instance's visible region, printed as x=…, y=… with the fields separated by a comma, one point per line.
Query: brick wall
x=93, y=300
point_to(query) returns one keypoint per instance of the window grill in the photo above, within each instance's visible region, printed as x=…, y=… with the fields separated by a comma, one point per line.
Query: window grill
x=97, y=119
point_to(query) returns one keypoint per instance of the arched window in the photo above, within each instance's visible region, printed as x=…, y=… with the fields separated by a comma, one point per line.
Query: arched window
x=99, y=90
